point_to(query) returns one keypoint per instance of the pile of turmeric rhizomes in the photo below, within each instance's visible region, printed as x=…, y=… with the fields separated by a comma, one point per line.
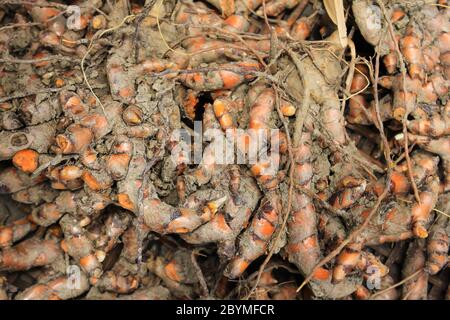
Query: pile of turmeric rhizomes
x=98, y=202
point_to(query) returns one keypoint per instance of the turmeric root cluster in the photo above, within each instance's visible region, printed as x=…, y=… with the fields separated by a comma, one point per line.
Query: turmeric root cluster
x=224, y=149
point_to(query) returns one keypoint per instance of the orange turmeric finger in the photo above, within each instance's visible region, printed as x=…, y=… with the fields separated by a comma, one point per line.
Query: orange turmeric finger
x=99, y=22
x=43, y=14
x=371, y=265
x=97, y=180
x=390, y=61
x=66, y=177
x=163, y=218
x=440, y=146
x=117, y=283
x=274, y=8
x=287, y=108
x=73, y=104
x=435, y=127
x=26, y=160
x=227, y=224
x=139, y=131
x=261, y=109
x=362, y=293
x=61, y=288
x=437, y=248
x=175, y=268
x=301, y=30
x=46, y=214
x=227, y=77
x=421, y=211
x=120, y=81
x=117, y=165
x=14, y=232
x=222, y=108
x=75, y=139
x=347, y=260
x=97, y=123
x=350, y=194
x=303, y=243
x=254, y=241
x=29, y=254
x=226, y=7
x=237, y=22
x=410, y=47
x=82, y=250
x=362, y=112
x=132, y=115
x=416, y=288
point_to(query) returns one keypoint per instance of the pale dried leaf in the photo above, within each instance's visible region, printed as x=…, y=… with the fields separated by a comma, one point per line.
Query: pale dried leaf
x=335, y=10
